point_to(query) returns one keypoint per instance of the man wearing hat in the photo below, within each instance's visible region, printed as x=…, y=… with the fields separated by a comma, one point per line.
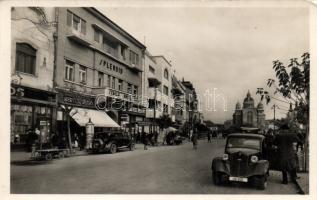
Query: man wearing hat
x=285, y=151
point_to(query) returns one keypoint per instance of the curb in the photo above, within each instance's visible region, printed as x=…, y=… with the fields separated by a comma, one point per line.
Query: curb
x=301, y=191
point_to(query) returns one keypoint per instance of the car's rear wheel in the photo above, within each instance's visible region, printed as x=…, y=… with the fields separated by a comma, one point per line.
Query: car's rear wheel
x=132, y=146
x=113, y=148
x=48, y=156
x=216, y=178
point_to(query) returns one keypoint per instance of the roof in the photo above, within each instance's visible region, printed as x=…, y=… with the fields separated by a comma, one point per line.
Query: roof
x=247, y=135
x=161, y=56
x=116, y=27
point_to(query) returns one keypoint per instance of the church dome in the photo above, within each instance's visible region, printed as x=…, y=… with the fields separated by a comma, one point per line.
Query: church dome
x=248, y=101
x=248, y=98
x=260, y=106
x=238, y=106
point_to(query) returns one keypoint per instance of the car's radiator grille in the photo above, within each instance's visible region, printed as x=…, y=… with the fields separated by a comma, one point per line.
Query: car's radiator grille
x=238, y=164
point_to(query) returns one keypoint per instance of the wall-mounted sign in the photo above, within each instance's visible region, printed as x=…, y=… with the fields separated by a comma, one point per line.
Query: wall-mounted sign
x=112, y=66
x=76, y=99
x=118, y=95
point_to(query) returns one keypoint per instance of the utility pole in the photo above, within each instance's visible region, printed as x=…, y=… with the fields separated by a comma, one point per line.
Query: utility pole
x=274, y=107
x=154, y=114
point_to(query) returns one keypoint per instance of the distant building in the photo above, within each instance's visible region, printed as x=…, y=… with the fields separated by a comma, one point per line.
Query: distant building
x=179, y=110
x=249, y=115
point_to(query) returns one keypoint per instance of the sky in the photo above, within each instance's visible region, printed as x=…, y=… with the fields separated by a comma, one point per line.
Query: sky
x=223, y=49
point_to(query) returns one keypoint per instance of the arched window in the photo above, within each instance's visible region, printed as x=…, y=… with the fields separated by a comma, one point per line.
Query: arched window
x=166, y=74
x=25, y=59
x=250, y=117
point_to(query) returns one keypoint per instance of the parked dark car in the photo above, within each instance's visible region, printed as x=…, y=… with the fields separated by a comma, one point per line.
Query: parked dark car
x=112, y=141
x=174, y=138
x=244, y=160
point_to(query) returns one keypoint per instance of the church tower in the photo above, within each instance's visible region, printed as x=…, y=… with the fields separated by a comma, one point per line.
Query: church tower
x=249, y=112
x=237, y=116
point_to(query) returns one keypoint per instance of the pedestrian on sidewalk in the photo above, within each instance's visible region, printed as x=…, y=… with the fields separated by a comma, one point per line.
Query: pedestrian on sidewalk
x=164, y=136
x=209, y=137
x=195, y=140
x=145, y=137
x=286, y=154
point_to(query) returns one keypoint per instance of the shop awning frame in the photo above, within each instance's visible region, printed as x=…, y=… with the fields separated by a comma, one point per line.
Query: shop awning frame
x=98, y=118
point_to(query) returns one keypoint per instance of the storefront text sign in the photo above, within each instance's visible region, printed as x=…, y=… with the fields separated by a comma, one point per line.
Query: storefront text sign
x=118, y=95
x=76, y=99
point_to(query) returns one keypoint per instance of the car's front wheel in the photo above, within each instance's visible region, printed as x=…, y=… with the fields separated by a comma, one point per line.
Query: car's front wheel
x=113, y=148
x=216, y=178
x=262, y=182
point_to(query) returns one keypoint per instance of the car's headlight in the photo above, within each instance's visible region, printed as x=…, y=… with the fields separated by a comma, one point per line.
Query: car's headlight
x=225, y=157
x=254, y=159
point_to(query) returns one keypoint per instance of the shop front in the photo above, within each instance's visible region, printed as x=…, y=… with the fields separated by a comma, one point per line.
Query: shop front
x=75, y=111
x=31, y=109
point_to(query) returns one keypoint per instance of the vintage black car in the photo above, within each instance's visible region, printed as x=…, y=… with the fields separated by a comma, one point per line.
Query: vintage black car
x=174, y=138
x=110, y=141
x=244, y=160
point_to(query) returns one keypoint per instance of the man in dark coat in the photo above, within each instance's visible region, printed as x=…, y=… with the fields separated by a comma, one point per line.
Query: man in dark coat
x=286, y=154
x=209, y=136
x=195, y=140
x=145, y=138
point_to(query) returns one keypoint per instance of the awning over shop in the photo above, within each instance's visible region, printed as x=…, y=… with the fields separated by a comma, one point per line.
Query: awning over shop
x=98, y=118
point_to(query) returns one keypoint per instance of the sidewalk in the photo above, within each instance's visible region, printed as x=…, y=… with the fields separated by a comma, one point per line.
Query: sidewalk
x=303, y=182
x=25, y=156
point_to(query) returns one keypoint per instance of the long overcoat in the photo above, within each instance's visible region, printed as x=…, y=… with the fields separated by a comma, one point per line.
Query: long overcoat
x=285, y=150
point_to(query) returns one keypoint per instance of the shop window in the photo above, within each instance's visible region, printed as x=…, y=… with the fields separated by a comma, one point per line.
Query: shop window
x=134, y=58
x=21, y=122
x=25, y=58
x=82, y=74
x=76, y=22
x=165, y=90
x=69, y=70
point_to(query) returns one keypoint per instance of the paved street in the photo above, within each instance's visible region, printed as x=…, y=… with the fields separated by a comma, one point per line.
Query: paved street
x=163, y=170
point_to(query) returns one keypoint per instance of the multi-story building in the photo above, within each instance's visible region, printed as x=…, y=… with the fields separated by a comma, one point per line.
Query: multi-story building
x=158, y=75
x=97, y=63
x=179, y=94
x=191, y=105
x=33, y=101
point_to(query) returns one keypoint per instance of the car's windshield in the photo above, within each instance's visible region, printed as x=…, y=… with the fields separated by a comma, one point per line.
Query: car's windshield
x=240, y=142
